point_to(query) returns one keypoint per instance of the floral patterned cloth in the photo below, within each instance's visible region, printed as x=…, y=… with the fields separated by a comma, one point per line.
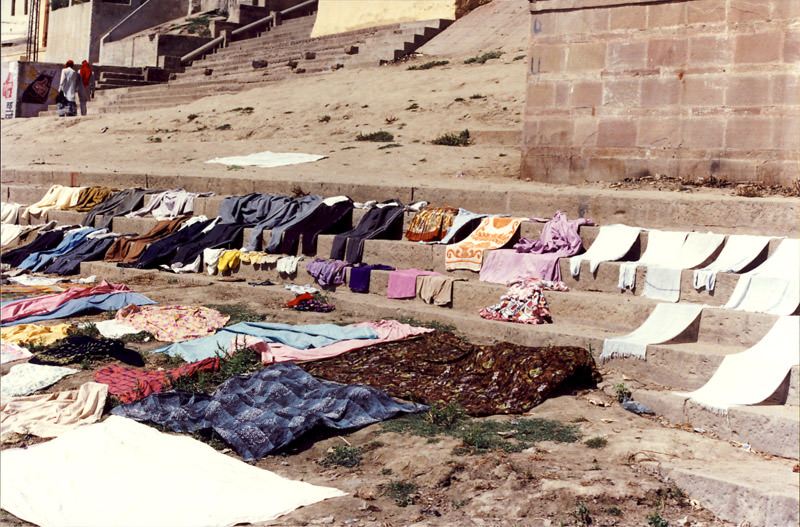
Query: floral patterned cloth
x=173, y=323
x=493, y=233
x=441, y=368
x=524, y=302
x=431, y=224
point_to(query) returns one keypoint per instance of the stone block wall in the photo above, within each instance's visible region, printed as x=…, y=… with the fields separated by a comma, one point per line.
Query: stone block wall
x=689, y=88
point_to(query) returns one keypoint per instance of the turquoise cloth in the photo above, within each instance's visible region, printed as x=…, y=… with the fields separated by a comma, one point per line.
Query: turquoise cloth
x=302, y=337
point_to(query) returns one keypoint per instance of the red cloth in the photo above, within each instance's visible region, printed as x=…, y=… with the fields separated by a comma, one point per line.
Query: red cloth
x=86, y=73
x=131, y=385
x=45, y=304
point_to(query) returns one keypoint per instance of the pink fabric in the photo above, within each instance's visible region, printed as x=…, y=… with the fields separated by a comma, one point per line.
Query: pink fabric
x=403, y=283
x=45, y=304
x=387, y=331
x=503, y=266
x=559, y=237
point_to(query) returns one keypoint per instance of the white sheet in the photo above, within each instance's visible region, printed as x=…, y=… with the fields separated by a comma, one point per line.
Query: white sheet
x=9, y=212
x=24, y=379
x=663, y=279
x=662, y=247
x=774, y=286
x=268, y=159
x=753, y=375
x=666, y=322
x=612, y=243
x=739, y=251
x=662, y=283
x=698, y=247
x=111, y=329
x=125, y=474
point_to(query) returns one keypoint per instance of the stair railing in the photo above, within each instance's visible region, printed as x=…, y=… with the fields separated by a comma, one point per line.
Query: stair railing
x=267, y=22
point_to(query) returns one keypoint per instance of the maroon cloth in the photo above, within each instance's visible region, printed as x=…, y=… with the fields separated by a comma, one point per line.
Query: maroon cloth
x=131, y=385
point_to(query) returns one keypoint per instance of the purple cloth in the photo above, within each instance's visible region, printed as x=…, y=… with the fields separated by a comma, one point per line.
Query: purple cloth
x=327, y=272
x=403, y=284
x=360, y=275
x=536, y=258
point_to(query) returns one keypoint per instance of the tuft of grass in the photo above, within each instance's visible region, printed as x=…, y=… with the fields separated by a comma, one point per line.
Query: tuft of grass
x=462, y=139
x=238, y=313
x=210, y=437
x=446, y=416
x=389, y=145
x=614, y=511
x=596, y=442
x=481, y=59
x=519, y=57
x=380, y=136
x=429, y=65
x=477, y=96
x=199, y=25
x=246, y=109
x=85, y=363
x=439, y=326
x=324, y=118
x=655, y=520
x=142, y=336
x=402, y=492
x=153, y=139
x=622, y=392
x=191, y=117
x=225, y=126
x=240, y=362
x=581, y=515
x=342, y=456
x=386, y=472
x=412, y=106
x=86, y=330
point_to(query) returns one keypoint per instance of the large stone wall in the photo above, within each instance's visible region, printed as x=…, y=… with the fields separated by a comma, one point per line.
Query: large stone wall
x=690, y=88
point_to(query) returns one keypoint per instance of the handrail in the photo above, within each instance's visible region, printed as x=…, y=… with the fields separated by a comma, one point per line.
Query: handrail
x=208, y=46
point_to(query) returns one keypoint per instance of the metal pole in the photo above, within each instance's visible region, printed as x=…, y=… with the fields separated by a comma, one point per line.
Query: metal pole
x=32, y=44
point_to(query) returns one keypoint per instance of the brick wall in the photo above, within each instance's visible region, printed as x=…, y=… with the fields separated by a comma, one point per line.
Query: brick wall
x=688, y=88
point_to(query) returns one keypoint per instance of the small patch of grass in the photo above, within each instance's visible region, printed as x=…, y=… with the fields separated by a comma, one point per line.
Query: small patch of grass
x=429, y=65
x=389, y=145
x=581, y=515
x=85, y=363
x=412, y=106
x=225, y=126
x=596, y=442
x=402, y=492
x=191, y=117
x=238, y=313
x=438, y=326
x=595, y=466
x=324, y=118
x=86, y=330
x=246, y=109
x=342, y=456
x=386, y=472
x=579, y=419
x=240, y=362
x=655, y=520
x=459, y=99
x=210, y=437
x=460, y=503
x=676, y=493
x=462, y=139
x=380, y=136
x=142, y=336
x=622, y=392
x=481, y=59
x=153, y=139
x=519, y=57
x=614, y=511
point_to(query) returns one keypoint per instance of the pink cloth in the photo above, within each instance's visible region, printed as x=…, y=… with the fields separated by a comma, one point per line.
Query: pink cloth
x=387, y=331
x=45, y=304
x=503, y=266
x=403, y=283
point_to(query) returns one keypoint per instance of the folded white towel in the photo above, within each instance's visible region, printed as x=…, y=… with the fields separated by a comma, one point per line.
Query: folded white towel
x=662, y=283
x=612, y=243
x=772, y=287
x=739, y=251
x=662, y=246
x=627, y=276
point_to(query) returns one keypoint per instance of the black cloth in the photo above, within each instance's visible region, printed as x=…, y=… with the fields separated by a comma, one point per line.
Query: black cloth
x=222, y=235
x=45, y=241
x=162, y=251
x=118, y=204
x=324, y=219
x=75, y=349
x=88, y=251
x=259, y=413
x=386, y=220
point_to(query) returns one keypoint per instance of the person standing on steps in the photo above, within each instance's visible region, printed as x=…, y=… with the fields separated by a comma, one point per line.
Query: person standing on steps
x=68, y=86
x=86, y=85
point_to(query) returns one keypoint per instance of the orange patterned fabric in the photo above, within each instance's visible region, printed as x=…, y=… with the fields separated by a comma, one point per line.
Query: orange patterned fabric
x=492, y=233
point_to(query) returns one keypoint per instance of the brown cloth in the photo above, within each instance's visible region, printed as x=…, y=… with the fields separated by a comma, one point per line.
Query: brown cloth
x=431, y=224
x=91, y=196
x=440, y=368
x=128, y=248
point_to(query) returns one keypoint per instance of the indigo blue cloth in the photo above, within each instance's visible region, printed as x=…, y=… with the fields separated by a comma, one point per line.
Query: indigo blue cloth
x=89, y=250
x=302, y=337
x=72, y=239
x=263, y=412
x=360, y=275
x=43, y=242
x=382, y=221
x=101, y=302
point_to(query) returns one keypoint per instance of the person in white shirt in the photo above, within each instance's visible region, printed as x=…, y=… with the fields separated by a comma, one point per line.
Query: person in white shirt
x=68, y=86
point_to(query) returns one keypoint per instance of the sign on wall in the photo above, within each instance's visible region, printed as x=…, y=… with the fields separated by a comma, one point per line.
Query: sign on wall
x=10, y=74
x=29, y=87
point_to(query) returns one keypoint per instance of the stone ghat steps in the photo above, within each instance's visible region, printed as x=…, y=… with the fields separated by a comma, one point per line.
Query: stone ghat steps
x=564, y=331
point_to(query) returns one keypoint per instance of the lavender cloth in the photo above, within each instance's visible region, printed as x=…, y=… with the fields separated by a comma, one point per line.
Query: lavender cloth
x=360, y=275
x=327, y=272
x=403, y=284
x=559, y=237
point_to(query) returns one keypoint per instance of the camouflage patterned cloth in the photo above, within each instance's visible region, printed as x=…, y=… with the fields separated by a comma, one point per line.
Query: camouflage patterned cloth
x=440, y=368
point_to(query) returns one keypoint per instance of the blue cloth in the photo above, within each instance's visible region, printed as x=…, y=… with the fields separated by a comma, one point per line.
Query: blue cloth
x=102, y=302
x=36, y=261
x=263, y=412
x=302, y=337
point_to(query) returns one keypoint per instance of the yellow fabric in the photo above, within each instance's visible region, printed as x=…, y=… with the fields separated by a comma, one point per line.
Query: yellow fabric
x=58, y=197
x=25, y=333
x=229, y=261
x=259, y=258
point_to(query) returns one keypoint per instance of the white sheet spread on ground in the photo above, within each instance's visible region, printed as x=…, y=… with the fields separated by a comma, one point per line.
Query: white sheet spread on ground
x=774, y=286
x=125, y=474
x=111, y=329
x=663, y=280
x=739, y=251
x=612, y=243
x=26, y=378
x=753, y=375
x=666, y=322
x=268, y=159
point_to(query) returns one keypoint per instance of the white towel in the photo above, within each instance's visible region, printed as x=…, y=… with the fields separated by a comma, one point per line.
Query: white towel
x=612, y=243
x=268, y=159
x=666, y=322
x=288, y=264
x=113, y=473
x=627, y=276
x=111, y=329
x=662, y=247
x=739, y=251
x=774, y=286
x=697, y=248
x=211, y=259
x=662, y=283
x=753, y=375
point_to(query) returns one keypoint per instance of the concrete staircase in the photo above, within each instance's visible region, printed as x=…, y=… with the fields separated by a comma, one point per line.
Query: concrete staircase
x=593, y=309
x=283, y=51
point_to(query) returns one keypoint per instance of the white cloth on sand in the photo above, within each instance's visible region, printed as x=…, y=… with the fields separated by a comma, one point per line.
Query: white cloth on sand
x=111, y=329
x=774, y=286
x=739, y=251
x=612, y=243
x=11, y=351
x=27, y=279
x=666, y=322
x=26, y=378
x=753, y=375
x=268, y=159
x=52, y=414
x=124, y=463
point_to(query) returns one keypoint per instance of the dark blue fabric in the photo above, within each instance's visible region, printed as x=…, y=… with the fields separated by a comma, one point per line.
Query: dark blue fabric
x=102, y=302
x=384, y=222
x=89, y=250
x=43, y=242
x=360, y=275
x=260, y=413
x=72, y=239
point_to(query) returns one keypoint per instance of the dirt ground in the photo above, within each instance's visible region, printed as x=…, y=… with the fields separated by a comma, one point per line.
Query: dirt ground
x=549, y=483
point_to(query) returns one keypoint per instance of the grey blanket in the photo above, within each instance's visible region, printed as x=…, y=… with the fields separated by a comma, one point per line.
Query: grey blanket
x=259, y=413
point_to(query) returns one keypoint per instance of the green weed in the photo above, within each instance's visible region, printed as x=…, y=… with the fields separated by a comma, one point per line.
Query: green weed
x=655, y=520
x=481, y=59
x=238, y=313
x=462, y=139
x=429, y=65
x=402, y=492
x=596, y=442
x=142, y=336
x=240, y=362
x=438, y=326
x=342, y=456
x=380, y=136
x=622, y=392
x=614, y=511
x=86, y=330
x=225, y=126
x=581, y=515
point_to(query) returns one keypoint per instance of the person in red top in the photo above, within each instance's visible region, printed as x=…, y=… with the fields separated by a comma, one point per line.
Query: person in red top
x=86, y=87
